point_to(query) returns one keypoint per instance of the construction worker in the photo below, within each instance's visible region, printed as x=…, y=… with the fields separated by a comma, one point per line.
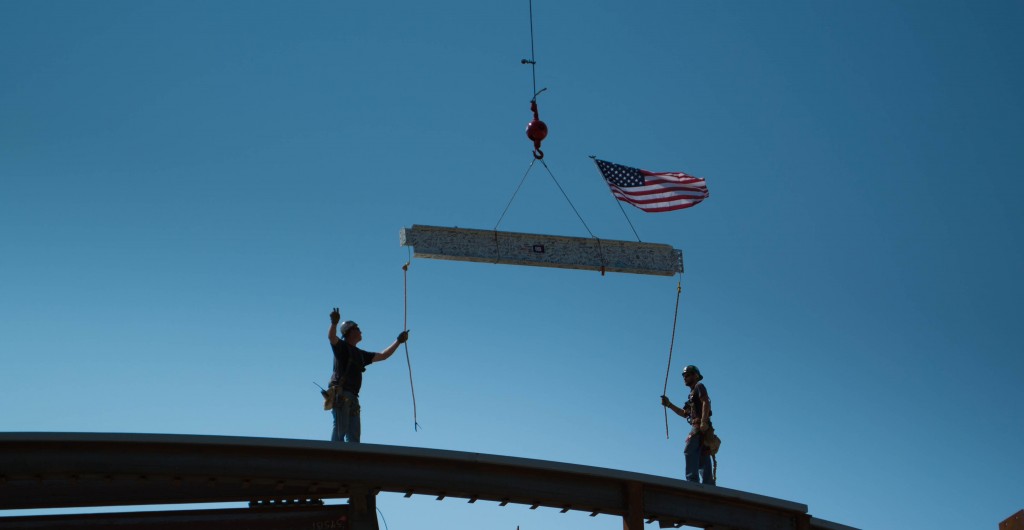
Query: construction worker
x=349, y=364
x=697, y=411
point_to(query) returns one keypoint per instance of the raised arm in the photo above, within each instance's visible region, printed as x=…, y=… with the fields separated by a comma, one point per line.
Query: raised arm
x=402, y=337
x=332, y=332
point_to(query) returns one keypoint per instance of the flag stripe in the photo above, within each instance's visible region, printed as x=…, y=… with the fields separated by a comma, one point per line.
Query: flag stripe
x=653, y=191
x=669, y=176
x=664, y=206
x=648, y=190
x=664, y=180
x=656, y=199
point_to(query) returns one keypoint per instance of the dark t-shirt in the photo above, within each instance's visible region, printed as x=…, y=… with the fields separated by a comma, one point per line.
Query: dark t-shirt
x=349, y=362
x=696, y=402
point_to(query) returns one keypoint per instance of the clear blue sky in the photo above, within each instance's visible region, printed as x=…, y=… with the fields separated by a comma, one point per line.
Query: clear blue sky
x=187, y=188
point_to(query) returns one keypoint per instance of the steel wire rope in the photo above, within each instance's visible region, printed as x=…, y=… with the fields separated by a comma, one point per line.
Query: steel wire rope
x=533, y=56
x=545, y=164
x=619, y=204
x=600, y=248
x=509, y=205
x=623, y=210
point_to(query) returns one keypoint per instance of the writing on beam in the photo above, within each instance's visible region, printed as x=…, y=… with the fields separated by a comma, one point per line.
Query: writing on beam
x=538, y=250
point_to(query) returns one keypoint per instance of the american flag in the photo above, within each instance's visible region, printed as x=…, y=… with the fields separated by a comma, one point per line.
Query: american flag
x=650, y=191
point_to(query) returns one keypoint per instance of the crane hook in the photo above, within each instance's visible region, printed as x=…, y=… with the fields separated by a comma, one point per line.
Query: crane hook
x=536, y=130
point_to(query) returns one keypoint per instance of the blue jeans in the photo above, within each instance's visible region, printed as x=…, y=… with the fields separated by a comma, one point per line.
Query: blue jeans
x=698, y=461
x=346, y=418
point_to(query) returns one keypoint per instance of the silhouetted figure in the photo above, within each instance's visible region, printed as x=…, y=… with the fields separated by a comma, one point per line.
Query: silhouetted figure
x=349, y=364
x=697, y=412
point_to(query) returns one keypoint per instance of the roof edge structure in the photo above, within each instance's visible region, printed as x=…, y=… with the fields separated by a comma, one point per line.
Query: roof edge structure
x=81, y=470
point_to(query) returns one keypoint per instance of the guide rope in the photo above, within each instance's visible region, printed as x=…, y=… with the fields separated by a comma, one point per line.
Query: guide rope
x=405, y=327
x=671, y=344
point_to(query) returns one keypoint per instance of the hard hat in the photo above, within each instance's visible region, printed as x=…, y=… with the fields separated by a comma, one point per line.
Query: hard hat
x=691, y=369
x=346, y=326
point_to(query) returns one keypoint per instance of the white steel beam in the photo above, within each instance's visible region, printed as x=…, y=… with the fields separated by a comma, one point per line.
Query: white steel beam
x=515, y=248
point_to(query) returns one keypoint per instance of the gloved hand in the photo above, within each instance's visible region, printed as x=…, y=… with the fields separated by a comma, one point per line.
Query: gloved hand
x=665, y=401
x=403, y=336
x=335, y=316
x=704, y=425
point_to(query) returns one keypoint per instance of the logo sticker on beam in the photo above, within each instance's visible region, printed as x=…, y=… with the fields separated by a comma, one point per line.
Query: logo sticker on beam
x=538, y=250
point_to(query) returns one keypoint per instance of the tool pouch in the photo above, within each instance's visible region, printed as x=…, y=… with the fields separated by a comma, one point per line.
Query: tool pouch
x=711, y=441
x=329, y=395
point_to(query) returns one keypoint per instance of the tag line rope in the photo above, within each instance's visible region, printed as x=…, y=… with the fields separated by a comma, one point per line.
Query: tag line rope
x=671, y=344
x=405, y=326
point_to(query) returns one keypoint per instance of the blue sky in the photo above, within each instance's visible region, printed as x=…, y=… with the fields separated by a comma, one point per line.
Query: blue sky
x=187, y=188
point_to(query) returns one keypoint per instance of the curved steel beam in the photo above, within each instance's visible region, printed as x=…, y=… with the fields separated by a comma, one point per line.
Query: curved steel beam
x=59, y=470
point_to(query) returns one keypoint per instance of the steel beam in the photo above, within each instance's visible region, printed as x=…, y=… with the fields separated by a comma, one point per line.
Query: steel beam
x=54, y=470
x=278, y=518
x=514, y=248
x=634, y=517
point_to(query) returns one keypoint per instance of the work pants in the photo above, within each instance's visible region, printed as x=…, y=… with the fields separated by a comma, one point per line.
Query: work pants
x=346, y=418
x=698, y=461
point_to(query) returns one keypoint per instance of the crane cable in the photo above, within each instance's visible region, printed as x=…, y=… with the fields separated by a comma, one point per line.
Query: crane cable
x=533, y=57
x=536, y=130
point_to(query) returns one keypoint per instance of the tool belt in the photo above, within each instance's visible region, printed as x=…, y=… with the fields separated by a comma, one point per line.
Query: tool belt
x=330, y=395
x=711, y=442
